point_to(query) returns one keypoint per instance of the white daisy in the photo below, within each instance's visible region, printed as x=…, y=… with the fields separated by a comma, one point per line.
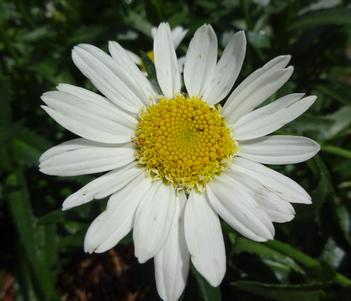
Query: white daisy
x=177, y=161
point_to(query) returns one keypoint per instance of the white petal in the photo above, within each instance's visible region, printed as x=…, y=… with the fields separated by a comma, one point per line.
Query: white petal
x=285, y=187
x=239, y=209
x=90, y=237
x=278, y=149
x=80, y=156
x=103, y=186
x=279, y=62
x=87, y=117
x=100, y=69
x=277, y=209
x=200, y=62
x=271, y=108
x=256, y=93
x=87, y=130
x=255, y=128
x=172, y=262
x=136, y=78
x=178, y=34
x=88, y=96
x=256, y=88
x=133, y=57
x=166, y=64
x=153, y=220
x=117, y=220
x=153, y=32
x=86, y=104
x=129, y=74
x=204, y=238
x=227, y=69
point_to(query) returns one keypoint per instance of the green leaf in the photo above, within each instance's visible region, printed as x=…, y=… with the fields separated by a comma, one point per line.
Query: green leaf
x=28, y=147
x=336, y=16
x=7, y=11
x=341, y=121
x=26, y=290
x=73, y=241
x=37, y=241
x=325, y=186
x=53, y=217
x=128, y=239
x=73, y=226
x=85, y=34
x=332, y=254
x=318, y=125
x=150, y=70
x=258, y=40
x=330, y=91
x=343, y=219
x=5, y=101
x=297, y=255
x=38, y=34
x=280, y=264
x=313, y=266
x=338, y=151
x=139, y=22
x=282, y=292
x=207, y=292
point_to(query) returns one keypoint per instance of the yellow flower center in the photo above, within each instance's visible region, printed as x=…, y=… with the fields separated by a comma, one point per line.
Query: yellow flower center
x=183, y=141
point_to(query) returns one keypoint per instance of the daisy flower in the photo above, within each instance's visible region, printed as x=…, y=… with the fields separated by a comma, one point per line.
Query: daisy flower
x=177, y=162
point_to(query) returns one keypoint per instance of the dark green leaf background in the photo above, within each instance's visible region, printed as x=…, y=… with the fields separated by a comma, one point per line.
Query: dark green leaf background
x=41, y=255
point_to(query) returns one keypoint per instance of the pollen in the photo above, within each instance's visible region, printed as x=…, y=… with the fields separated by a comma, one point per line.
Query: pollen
x=183, y=141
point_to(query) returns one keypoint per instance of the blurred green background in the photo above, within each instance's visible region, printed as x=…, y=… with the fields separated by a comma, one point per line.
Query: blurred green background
x=41, y=255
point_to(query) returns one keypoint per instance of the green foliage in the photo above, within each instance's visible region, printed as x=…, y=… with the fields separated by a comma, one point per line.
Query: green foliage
x=283, y=292
x=206, y=291
x=42, y=246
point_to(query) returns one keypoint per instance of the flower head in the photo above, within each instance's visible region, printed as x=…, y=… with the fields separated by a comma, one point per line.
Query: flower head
x=184, y=142
x=178, y=161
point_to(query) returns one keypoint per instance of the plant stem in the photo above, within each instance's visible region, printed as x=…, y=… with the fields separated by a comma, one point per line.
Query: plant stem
x=344, y=153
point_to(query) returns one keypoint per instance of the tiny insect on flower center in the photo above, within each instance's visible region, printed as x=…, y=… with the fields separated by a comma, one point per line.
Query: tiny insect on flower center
x=183, y=141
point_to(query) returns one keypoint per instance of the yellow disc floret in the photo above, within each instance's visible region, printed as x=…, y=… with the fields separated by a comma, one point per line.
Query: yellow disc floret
x=183, y=141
